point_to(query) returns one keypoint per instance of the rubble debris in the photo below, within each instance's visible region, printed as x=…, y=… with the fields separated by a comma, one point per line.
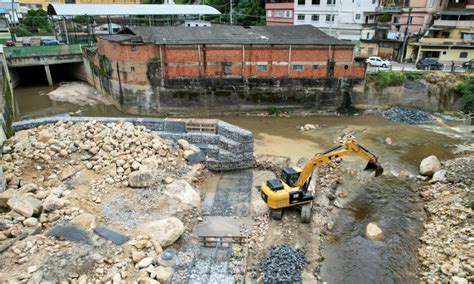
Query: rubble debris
x=65, y=181
x=445, y=253
x=284, y=264
x=409, y=116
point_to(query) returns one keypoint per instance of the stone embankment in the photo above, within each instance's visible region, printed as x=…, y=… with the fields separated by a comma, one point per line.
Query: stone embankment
x=446, y=253
x=95, y=202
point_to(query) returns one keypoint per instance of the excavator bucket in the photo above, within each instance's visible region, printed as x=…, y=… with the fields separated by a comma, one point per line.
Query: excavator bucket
x=374, y=166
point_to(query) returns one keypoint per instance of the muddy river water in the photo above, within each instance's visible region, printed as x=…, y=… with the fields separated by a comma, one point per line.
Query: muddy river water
x=387, y=200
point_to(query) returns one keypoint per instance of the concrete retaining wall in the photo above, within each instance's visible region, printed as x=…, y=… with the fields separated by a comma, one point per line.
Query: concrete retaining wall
x=227, y=147
x=413, y=94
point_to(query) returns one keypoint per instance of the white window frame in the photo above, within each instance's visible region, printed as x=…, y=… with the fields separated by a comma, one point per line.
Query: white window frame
x=261, y=67
x=297, y=67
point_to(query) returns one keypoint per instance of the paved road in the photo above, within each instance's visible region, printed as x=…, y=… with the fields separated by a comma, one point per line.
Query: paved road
x=410, y=67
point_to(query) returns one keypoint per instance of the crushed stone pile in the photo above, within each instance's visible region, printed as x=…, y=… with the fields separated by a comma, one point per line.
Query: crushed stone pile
x=284, y=264
x=410, y=116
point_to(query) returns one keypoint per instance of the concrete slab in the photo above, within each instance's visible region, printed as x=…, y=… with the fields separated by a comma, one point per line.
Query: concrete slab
x=223, y=226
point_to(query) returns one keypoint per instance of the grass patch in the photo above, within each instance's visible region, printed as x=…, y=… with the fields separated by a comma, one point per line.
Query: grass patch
x=385, y=79
x=413, y=75
x=274, y=110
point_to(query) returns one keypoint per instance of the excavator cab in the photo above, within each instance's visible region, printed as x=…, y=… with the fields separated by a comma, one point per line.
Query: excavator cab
x=290, y=175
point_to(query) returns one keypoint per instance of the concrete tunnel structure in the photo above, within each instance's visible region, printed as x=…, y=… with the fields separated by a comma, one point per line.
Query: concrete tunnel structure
x=16, y=59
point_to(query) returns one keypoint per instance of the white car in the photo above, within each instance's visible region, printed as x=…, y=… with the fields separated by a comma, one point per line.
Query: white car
x=377, y=62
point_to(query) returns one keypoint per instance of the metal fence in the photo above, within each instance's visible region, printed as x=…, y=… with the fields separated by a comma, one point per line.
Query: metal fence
x=45, y=50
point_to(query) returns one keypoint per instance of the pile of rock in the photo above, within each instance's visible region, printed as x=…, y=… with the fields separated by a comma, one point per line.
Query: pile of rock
x=58, y=175
x=446, y=254
x=284, y=264
x=271, y=163
x=410, y=116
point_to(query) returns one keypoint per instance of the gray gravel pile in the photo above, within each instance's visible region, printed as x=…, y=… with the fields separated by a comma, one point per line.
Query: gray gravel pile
x=284, y=264
x=410, y=116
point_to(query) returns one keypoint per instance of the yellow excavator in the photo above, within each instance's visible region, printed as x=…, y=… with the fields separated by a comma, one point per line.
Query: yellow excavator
x=292, y=189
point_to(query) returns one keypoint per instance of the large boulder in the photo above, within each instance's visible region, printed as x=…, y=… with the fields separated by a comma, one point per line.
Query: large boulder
x=163, y=274
x=143, y=178
x=4, y=197
x=429, y=166
x=373, y=231
x=259, y=207
x=182, y=191
x=86, y=220
x=25, y=205
x=3, y=180
x=52, y=203
x=184, y=144
x=165, y=231
x=45, y=135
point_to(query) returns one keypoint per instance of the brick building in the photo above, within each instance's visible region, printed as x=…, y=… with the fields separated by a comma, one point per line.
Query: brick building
x=237, y=59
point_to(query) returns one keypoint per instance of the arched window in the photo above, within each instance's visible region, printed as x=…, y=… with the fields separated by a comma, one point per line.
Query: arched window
x=463, y=54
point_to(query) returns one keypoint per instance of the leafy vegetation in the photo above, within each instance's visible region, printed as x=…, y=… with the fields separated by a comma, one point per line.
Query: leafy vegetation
x=36, y=22
x=385, y=18
x=386, y=79
x=466, y=90
x=413, y=75
x=274, y=110
x=250, y=12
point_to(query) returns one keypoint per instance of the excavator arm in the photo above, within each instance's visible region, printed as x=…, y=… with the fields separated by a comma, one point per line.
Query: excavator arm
x=350, y=146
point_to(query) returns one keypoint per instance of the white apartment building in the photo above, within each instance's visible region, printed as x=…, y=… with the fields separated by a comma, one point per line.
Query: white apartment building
x=343, y=19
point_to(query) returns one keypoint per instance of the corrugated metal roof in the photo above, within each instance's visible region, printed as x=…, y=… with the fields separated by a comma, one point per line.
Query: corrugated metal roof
x=225, y=34
x=129, y=9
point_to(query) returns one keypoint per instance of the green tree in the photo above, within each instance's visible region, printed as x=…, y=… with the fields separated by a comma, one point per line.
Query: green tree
x=37, y=22
x=466, y=90
x=250, y=12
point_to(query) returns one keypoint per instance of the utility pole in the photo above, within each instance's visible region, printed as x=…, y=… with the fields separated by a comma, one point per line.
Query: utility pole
x=13, y=13
x=405, y=36
x=231, y=12
x=331, y=17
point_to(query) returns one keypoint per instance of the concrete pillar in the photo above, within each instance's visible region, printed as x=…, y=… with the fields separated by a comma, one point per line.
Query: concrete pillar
x=48, y=75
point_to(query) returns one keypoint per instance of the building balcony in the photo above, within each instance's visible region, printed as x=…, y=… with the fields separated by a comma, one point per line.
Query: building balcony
x=441, y=40
x=389, y=9
x=454, y=24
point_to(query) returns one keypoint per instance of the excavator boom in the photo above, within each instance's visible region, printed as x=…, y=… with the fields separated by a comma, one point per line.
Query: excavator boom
x=350, y=146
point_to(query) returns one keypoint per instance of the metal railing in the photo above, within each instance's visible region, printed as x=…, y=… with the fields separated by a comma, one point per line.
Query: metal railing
x=45, y=50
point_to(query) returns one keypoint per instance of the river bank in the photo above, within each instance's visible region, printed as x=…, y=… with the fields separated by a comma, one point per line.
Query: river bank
x=400, y=155
x=446, y=253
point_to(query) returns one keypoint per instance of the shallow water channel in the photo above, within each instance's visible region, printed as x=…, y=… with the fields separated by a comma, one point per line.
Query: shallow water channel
x=387, y=200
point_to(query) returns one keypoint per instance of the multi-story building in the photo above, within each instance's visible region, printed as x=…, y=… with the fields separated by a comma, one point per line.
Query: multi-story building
x=343, y=19
x=279, y=12
x=414, y=17
x=450, y=38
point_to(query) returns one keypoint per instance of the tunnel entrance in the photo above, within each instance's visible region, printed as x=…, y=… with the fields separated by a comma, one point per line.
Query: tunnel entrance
x=37, y=75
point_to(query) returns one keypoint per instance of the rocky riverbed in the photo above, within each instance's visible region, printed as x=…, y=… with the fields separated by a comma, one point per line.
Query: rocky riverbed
x=446, y=253
x=88, y=202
